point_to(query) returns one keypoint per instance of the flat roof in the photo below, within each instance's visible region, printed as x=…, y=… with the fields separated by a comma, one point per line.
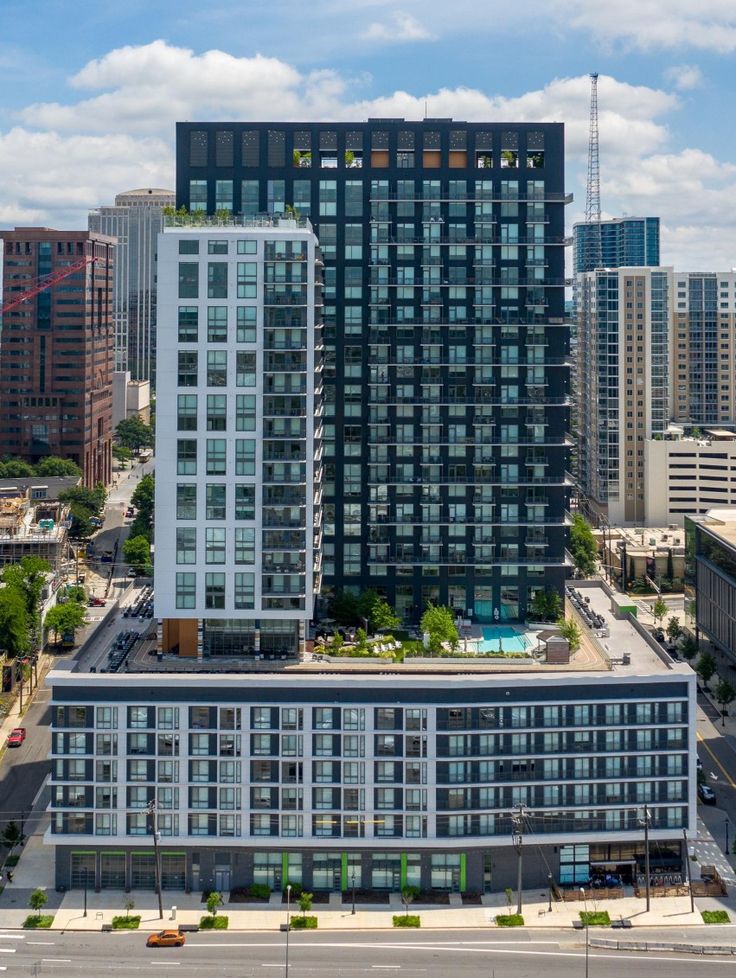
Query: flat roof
x=598, y=659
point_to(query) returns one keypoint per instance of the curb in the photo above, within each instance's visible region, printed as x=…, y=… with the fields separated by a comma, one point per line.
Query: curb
x=601, y=943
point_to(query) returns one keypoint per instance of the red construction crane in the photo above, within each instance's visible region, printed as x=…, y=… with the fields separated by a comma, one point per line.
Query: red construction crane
x=41, y=284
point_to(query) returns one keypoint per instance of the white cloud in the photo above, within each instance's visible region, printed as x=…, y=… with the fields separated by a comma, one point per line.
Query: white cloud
x=704, y=24
x=684, y=77
x=119, y=133
x=401, y=28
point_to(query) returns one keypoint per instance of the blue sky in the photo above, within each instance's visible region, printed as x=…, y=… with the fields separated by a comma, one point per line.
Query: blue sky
x=90, y=91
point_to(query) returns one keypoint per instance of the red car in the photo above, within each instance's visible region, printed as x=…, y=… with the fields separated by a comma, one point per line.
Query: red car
x=17, y=737
x=95, y=602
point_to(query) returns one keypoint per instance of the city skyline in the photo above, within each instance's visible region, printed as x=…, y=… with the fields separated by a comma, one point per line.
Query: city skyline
x=112, y=91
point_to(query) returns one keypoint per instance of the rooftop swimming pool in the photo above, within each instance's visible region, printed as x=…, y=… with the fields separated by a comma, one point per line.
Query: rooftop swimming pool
x=503, y=638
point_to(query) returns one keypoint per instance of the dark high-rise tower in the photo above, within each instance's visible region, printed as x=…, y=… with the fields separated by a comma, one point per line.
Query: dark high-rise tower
x=446, y=372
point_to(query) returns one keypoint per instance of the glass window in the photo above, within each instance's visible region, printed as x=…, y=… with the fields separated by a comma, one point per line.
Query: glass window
x=216, y=280
x=187, y=368
x=245, y=590
x=245, y=412
x=197, y=196
x=245, y=545
x=214, y=591
x=246, y=324
x=248, y=247
x=218, y=247
x=245, y=369
x=216, y=412
x=327, y=198
x=186, y=412
x=188, y=323
x=188, y=280
x=245, y=502
x=215, y=545
x=249, y=197
x=189, y=246
x=216, y=456
x=245, y=456
x=186, y=545
x=186, y=457
x=247, y=279
x=217, y=324
x=186, y=590
x=216, y=499
x=216, y=368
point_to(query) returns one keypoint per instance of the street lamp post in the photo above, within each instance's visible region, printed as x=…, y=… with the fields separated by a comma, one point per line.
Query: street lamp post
x=86, y=871
x=549, y=891
x=587, y=945
x=288, y=928
x=156, y=860
x=352, y=881
x=645, y=822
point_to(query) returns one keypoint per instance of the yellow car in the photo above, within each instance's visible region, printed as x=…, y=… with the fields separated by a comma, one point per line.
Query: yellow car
x=166, y=938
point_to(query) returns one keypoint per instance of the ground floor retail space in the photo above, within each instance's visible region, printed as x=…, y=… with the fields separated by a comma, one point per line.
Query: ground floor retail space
x=476, y=870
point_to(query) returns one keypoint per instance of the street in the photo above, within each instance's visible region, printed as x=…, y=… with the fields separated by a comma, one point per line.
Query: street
x=429, y=955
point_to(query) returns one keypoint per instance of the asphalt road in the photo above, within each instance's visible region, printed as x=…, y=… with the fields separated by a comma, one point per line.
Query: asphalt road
x=23, y=769
x=418, y=955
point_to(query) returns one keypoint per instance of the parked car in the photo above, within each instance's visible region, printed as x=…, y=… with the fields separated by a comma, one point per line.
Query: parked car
x=166, y=938
x=130, y=512
x=706, y=794
x=95, y=602
x=16, y=737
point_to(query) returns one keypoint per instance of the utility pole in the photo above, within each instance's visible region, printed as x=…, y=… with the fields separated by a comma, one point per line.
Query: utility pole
x=645, y=821
x=151, y=809
x=687, y=870
x=517, y=838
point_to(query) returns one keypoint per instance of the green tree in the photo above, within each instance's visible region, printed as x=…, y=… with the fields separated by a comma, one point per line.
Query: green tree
x=570, y=630
x=706, y=667
x=379, y=612
x=16, y=468
x=137, y=551
x=725, y=694
x=15, y=633
x=583, y=546
x=345, y=608
x=545, y=606
x=674, y=628
x=11, y=836
x=52, y=465
x=83, y=503
x=659, y=609
x=129, y=905
x=65, y=618
x=361, y=640
x=214, y=902
x=134, y=434
x=305, y=902
x=38, y=900
x=439, y=623
x=121, y=453
x=28, y=578
x=689, y=647
x=143, y=500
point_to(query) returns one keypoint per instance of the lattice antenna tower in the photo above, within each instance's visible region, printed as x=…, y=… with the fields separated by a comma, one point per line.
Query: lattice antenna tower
x=593, y=190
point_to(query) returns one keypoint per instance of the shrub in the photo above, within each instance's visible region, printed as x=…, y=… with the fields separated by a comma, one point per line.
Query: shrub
x=12, y=861
x=406, y=920
x=214, y=902
x=303, y=923
x=509, y=920
x=126, y=923
x=261, y=891
x=595, y=918
x=214, y=923
x=715, y=917
x=38, y=922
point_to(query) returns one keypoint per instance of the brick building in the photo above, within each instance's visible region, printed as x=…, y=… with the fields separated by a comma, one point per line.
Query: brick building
x=57, y=350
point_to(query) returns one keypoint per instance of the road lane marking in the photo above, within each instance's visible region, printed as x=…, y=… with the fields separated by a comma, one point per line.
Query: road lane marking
x=718, y=764
x=8, y=950
x=56, y=960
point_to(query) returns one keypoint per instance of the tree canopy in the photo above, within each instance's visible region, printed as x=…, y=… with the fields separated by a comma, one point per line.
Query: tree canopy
x=28, y=578
x=84, y=503
x=137, y=551
x=52, y=465
x=583, y=546
x=438, y=622
x=134, y=434
x=15, y=632
x=65, y=618
x=143, y=499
